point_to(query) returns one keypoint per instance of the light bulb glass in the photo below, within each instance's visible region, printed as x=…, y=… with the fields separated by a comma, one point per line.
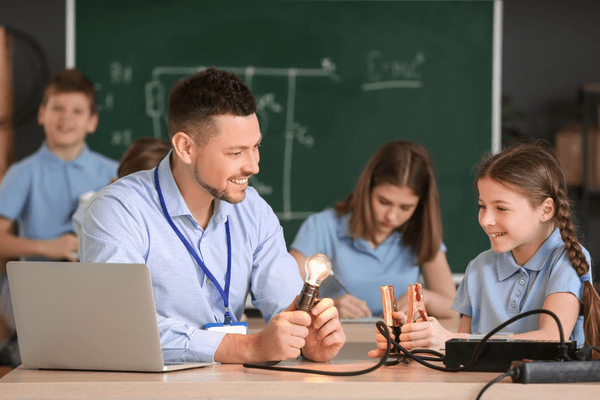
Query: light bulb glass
x=317, y=267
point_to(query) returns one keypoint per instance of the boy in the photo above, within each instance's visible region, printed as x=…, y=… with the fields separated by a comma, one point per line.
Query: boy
x=41, y=192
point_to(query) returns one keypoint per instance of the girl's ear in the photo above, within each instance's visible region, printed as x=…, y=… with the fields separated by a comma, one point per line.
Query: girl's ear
x=548, y=209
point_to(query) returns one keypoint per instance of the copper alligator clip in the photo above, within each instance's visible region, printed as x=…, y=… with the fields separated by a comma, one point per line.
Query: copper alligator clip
x=388, y=300
x=416, y=305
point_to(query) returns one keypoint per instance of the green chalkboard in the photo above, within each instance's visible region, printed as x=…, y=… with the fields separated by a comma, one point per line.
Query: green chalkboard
x=334, y=80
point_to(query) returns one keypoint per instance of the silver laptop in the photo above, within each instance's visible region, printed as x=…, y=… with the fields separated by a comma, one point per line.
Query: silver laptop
x=87, y=316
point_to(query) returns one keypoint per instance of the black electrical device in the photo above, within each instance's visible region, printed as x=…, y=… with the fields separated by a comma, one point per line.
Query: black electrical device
x=497, y=355
x=555, y=371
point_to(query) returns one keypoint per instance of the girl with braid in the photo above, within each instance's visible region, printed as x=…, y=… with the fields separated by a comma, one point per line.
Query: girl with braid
x=535, y=262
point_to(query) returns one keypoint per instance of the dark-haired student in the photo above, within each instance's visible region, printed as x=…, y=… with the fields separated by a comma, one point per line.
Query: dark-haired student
x=209, y=239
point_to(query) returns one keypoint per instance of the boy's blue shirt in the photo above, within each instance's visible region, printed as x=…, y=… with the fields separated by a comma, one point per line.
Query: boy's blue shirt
x=42, y=191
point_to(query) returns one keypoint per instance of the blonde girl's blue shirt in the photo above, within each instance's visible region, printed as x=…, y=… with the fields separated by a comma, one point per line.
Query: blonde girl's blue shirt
x=42, y=191
x=495, y=289
x=125, y=224
x=360, y=267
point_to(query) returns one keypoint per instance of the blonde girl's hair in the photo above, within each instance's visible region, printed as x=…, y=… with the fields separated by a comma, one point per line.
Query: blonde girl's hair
x=534, y=170
x=404, y=164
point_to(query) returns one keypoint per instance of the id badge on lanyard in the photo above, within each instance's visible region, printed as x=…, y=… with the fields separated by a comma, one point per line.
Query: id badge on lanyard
x=234, y=327
x=224, y=292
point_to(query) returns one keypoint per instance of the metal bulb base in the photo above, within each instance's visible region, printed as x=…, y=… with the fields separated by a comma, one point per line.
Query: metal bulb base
x=307, y=297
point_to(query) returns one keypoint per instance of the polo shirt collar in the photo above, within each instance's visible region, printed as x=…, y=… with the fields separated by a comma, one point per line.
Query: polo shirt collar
x=507, y=266
x=82, y=160
x=343, y=231
x=343, y=226
x=174, y=199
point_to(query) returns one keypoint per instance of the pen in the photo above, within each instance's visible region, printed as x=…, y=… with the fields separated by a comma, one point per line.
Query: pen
x=335, y=278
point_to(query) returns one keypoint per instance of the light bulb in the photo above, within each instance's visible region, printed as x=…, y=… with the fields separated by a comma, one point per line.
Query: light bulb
x=317, y=267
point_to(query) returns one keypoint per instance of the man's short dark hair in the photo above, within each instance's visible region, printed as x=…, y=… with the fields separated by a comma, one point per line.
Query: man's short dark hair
x=195, y=100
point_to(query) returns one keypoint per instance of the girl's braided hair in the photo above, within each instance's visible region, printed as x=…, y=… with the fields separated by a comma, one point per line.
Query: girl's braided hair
x=534, y=169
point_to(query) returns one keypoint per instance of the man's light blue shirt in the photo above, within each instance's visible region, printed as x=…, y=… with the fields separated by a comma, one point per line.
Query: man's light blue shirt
x=125, y=224
x=496, y=289
x=362, y=269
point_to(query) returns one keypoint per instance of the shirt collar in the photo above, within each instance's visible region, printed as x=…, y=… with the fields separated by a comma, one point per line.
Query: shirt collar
x=343, y=230
x=174, y=199
x=343, y=226
x=82, y=159
x=507, y=266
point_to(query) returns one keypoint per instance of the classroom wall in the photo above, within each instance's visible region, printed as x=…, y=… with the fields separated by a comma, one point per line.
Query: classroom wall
x=44, y=21
x=550, y=48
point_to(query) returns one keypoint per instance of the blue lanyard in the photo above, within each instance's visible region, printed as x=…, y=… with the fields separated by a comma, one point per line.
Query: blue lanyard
x=224, y=294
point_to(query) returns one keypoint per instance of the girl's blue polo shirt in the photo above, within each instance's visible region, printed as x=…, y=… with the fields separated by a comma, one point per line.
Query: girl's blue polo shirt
x=42, y=191
x=496, y=289
x=362, y=269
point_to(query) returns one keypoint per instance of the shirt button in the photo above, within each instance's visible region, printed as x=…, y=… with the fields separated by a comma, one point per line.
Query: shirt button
x=518, y=293
x=522, y=282
x=208, y=281
x=513, y=304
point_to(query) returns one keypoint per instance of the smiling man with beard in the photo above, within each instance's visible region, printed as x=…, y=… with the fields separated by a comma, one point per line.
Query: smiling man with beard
x=209, y=239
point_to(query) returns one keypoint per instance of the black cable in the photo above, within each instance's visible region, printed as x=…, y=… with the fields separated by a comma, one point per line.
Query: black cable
x=467, y=367
x=383, y=329
x=510, y=372
x=382, y=361
x=562, y=347
x=591, y=350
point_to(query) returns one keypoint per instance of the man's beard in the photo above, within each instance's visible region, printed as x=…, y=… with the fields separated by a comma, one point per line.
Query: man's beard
x=217, y=194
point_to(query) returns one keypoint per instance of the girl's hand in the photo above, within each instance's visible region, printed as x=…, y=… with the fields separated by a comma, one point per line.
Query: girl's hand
x=424, y=335
x=381, y=340
x=417, y=335
x=349, y=307
x=402, y=303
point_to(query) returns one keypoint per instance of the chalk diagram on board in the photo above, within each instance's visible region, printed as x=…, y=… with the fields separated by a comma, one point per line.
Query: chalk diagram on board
x=156, y=108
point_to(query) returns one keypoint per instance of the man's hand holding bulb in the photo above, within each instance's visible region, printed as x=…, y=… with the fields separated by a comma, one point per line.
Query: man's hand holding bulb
x=308, y=327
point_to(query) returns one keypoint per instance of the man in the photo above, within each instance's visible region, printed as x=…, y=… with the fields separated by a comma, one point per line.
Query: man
x=208, y=238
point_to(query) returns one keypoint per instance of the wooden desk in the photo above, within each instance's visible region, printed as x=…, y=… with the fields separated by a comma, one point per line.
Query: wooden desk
x=412, y=381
